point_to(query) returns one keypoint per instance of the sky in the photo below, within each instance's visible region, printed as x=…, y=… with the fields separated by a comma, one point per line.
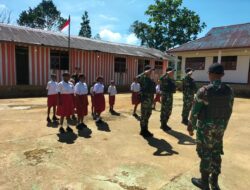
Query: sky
x=112, y=18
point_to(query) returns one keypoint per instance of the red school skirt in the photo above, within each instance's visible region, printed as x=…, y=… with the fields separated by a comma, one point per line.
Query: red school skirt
x=135, y=98
x=99, y=104
x=157, y=98
x=111, y=100
x=52, y=100
x=81, y=105
x=66, y=108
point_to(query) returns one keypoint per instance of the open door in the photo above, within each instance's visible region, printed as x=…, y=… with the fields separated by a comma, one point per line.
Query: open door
x=22, y=65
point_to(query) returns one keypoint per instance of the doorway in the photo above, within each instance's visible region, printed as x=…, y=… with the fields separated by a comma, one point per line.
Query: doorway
x=22, y=65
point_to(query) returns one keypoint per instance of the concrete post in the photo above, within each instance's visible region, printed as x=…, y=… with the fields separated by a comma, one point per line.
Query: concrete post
x=219, y=56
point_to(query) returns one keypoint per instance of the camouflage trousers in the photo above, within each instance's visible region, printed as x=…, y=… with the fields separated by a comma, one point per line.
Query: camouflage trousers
x=187, y=105
x=166, y=107
x=210, y=147
x=146, y=109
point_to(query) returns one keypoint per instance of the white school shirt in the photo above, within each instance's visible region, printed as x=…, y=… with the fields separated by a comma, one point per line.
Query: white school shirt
x=52, y=87
x=81, y=88
x=112, y=90
x=65, y=88
x=98, y=88
x=135, y=87
x=158, y=89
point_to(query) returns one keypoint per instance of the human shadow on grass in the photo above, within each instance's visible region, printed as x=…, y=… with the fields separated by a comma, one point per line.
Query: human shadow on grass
x=103, y=126
x=53, y=124
x=85, y=132
x=67, y=137
x=182, y=138
x=162, y=146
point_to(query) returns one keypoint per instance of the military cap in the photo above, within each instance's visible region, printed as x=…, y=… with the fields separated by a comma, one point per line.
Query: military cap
x=189, y=71
x=216, y=68
x=170, y=69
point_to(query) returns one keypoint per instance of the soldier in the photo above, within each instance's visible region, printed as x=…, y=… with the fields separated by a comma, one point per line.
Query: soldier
x=189, y=89
x=147, y=98
x=210, y=115
x=168, y=87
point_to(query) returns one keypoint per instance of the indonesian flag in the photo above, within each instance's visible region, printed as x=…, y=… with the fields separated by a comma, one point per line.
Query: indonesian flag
x=66, y=25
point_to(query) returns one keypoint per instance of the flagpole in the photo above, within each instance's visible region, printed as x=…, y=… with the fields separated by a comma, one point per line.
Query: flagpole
x=69, y=42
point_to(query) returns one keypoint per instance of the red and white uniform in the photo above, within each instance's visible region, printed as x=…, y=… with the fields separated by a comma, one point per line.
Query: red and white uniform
x=52, y=93
x=66, y=104
x=81, y=92
x=158, y=93
x=135, y=88
x=99, y=98
x=112, y=92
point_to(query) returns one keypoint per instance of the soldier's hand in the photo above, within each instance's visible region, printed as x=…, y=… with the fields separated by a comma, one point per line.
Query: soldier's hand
x=190, y=129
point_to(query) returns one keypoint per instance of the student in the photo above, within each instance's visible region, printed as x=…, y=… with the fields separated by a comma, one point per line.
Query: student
x=99, y=98
x=72, y=81
x=112, y=92
x=65, y=101
x=52, y=98
x=158, y=94
x=135, y=89
x=81, y=93
x=92, y=101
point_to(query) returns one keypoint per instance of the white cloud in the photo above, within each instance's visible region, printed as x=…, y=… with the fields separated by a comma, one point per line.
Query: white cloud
x=132, y=39
x=109, y=18
x=3, y=6
x=108, y=35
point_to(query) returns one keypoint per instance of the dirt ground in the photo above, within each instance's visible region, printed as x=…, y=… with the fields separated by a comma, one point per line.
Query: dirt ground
x=34, y=156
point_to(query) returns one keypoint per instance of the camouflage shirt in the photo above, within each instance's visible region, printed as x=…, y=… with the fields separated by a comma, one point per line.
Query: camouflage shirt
x=189, y=86
x=147, y=85
x=167, y=85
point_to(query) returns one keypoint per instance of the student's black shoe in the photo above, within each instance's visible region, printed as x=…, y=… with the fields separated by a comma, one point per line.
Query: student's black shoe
x=61, y=130
x=166, y=128
x=83, y=125
x=185, y=121
x=69, y=129
x=146, y=133
x=135, y=115
x=49, y=120
x=55, y=118
x=79, y=127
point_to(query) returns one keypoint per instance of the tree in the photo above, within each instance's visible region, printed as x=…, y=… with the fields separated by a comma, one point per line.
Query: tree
x=97, y=37
x=85, y=30
x=169, y=25
x=44, y=16
x=5, y=16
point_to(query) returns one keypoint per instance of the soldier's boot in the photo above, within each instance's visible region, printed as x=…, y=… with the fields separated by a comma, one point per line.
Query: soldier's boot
x=214, y=182
x=145, y=132
x=165, y=127
x=203, y=182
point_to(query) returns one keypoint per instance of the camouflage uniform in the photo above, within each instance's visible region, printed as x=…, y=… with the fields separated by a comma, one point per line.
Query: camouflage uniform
x=210, y=118
x=147, y=98
x=168, y=87
x=189, y=89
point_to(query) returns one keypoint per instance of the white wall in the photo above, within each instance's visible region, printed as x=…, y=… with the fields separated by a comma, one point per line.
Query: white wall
x=240, y=75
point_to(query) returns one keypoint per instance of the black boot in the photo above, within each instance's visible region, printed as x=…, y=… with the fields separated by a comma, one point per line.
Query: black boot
x=203, y=182
x=145, y=132
x=214, y=182
x=165, y=127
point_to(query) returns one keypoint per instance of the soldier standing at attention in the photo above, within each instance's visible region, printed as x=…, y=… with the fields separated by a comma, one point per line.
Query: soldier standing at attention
x=210, y=115
x=147, y=98
x=189, y=89
x=168, y=87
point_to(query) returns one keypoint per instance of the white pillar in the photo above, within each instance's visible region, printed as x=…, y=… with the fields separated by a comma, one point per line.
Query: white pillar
x=219, y=56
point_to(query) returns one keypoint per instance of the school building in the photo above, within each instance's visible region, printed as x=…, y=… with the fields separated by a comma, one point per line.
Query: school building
x=228, y=45
x=28, y=57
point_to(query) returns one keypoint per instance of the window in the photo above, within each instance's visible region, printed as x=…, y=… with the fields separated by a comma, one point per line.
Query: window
x=59, y=60
x=196, y=63
x=120, y=65
x=229, y=62
x=158, y=65
x=141, y=65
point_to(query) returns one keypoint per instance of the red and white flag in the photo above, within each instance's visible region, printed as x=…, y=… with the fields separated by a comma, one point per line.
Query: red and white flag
x=66, y=25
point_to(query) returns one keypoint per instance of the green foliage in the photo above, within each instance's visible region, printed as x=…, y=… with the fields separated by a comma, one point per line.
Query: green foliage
x=85, y=30
x=44, y=16
x=169, y=25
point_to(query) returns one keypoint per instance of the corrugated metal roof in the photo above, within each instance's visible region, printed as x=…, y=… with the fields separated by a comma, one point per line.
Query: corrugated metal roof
x=40, y=37
x=233, y=36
